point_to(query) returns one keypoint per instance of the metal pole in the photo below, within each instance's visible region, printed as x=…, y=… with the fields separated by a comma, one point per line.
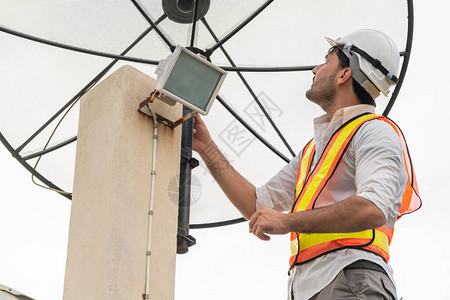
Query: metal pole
x=184, y=241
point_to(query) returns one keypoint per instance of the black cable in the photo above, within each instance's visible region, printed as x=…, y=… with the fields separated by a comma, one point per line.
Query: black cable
x=406, y=57
x=30, y=168
x=194, y=22
x=50, y=149
x=145, y=14
x=252, y=93
x=238, y=28
x=216, y=224
x=268, y=69
x=252, y=131
x=77, y=49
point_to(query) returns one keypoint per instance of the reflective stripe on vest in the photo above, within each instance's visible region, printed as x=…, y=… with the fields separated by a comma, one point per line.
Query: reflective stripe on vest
x=310, y=184
x=306, y=161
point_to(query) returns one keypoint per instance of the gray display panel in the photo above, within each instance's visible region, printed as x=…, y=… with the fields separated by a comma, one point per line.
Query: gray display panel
x=193, y=80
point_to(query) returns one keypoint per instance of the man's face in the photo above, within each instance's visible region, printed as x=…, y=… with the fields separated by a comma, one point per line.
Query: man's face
x=323, y=88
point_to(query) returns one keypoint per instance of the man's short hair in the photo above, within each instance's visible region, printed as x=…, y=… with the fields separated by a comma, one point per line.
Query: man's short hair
x=344, y=62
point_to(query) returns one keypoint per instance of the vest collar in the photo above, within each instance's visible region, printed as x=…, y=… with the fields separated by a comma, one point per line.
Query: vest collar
x=324, y=128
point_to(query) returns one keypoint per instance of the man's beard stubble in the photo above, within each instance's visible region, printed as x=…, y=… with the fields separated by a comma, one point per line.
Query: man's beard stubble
x=322, y=91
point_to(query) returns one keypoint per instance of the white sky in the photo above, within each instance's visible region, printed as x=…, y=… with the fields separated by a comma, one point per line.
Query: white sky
x=229, y=263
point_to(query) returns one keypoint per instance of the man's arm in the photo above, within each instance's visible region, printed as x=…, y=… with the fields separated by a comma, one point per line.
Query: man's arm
x=238, y=190
x=380, y=180
x=351, y=215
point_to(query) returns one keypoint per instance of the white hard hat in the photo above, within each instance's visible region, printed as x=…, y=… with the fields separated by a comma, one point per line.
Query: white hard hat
x=374, y=59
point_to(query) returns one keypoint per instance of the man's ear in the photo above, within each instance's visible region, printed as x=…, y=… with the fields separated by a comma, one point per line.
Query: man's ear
x=344, y=76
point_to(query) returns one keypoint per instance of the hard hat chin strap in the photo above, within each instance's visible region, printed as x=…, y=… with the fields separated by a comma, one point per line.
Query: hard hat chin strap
x=358, y=75
x=390, y=77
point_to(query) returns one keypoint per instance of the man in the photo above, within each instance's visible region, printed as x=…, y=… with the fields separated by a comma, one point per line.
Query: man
x=345, y=189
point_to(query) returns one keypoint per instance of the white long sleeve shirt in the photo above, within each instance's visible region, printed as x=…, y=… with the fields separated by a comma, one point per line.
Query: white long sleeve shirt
x=372, y=167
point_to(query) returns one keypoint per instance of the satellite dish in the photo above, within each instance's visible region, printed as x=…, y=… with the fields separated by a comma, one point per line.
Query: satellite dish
x=53, y=53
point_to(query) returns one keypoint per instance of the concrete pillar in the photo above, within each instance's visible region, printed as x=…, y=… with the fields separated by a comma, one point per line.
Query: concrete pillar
x=108, y=235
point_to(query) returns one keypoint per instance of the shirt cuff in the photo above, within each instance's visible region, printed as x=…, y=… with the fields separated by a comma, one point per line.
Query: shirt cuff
x=263, y=198
x=388, y=210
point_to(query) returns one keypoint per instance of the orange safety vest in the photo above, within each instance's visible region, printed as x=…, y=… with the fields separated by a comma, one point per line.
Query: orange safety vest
x=310, y=183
